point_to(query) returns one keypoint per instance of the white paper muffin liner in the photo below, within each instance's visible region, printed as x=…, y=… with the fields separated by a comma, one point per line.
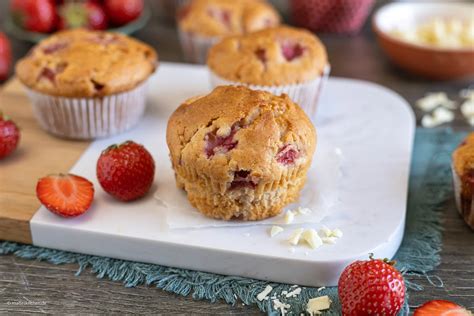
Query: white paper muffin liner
x=306, y=94
x=195, y=47
x=466, y=214
x=89, y=118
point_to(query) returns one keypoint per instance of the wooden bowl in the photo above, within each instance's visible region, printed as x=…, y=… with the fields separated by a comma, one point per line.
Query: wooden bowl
x=428, y=61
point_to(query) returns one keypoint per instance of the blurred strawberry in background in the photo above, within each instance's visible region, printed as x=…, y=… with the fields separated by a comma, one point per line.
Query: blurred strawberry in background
x=47, y=16
x=5, y=56
x=121, y=12
x=81, y=14
x=34, y=15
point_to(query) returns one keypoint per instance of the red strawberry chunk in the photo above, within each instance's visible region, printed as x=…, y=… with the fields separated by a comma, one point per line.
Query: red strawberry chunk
x=65, y=195
x=50, y=74
x=441, y=308
x=242, y=180
x=261, y=55
x=220, y=144
x=287, y=155
x=54, y=47
x=223, y=16
x=470, y=177
x=291, y=50
x=105, y=39
x=268, y=22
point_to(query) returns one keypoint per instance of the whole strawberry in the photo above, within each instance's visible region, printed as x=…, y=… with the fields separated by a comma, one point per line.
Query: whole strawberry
x=372, y=287
x=5, y=56
x=126, y=171
x=9, y=136
x=34, y=15
x=121, y=12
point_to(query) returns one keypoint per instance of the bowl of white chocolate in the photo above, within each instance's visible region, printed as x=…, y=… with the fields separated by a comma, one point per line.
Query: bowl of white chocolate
x=433, y=40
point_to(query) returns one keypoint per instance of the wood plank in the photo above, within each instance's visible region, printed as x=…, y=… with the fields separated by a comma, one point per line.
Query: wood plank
x=38, y=154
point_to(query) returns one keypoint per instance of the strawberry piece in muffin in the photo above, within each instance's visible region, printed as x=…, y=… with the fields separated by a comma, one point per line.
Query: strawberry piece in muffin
x=291, y=50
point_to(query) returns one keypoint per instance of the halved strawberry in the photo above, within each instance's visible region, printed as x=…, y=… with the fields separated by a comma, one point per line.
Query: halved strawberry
x=66, y=195
x=441, y=308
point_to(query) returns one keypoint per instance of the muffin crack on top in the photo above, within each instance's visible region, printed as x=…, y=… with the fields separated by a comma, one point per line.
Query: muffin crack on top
x=276, y=56
x=240, y=153
x=82, y=63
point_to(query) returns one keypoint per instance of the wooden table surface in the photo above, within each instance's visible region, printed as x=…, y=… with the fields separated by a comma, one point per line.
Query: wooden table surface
x=36, y=287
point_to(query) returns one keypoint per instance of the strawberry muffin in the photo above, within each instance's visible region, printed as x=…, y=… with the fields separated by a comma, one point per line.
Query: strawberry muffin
x=87, y=84
x=463, y=175
x=201, y=23
x=280, y=60
x=239, y=153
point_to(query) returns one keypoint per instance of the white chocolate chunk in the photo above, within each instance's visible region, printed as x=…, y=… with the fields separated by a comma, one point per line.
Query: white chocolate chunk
x=289, y=217
x=275, y=230
x=325, y=232
x=264, y=294
x=432, y=100
x=282, y=307
x=336, y=233
x=439, y=116
x=318, y=304
x=312, y=238
x=428, y=121
x=294, y=293
x=303, y=211
x=443, y=115
x=467, y=93
x=467, y=108
x=295, y=236
x=329, y=240
x=223, y=131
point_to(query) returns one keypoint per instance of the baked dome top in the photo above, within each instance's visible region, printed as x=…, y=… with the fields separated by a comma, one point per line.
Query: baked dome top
x=276, y=56
x=83, y=63
x=211, y=18
x=236, y=128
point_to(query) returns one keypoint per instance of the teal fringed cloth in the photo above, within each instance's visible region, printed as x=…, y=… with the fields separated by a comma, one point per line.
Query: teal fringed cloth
x=430, y=187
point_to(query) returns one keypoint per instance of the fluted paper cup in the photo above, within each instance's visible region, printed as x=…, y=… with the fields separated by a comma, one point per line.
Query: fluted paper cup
x=89, y=118
x=306, y=94
x=195, y=47
x=465, y=204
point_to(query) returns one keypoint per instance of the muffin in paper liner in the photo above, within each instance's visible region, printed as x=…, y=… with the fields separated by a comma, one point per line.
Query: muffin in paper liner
x=89, y=118
x=195, y=47
x=235, y=154
x=305, y=94
x=464, y=200
x=463, y=179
